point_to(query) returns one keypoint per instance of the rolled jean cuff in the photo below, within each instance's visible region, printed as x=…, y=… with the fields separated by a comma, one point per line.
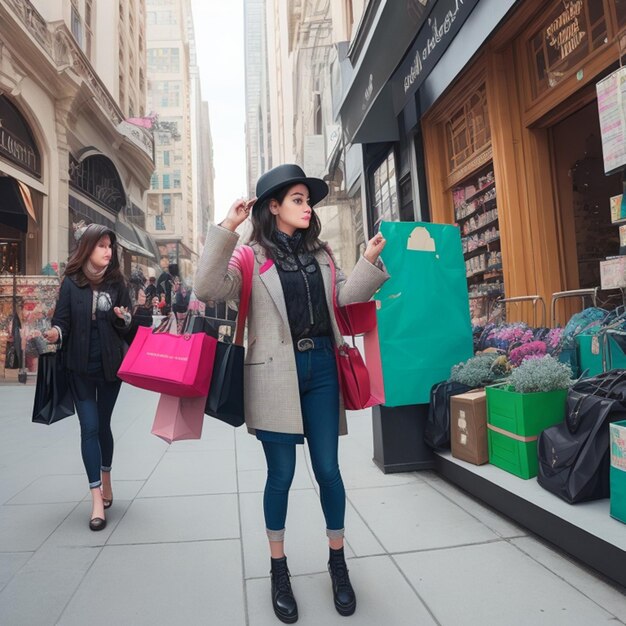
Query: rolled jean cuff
x=95, y=484
x=335, y=534
x=105, y=469
x=275, y=535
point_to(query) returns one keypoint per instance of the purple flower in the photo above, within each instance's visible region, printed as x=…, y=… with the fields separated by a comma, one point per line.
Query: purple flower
x=532, y=350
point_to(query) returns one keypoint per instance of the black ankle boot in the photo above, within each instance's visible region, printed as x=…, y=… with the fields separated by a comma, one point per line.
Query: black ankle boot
x=343, y=593
x=283, y=601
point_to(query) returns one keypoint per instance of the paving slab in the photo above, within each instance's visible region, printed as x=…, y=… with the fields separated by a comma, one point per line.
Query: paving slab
x=583, y=579
x=26, y=527
x=52, y=488
x=499, y=524
x=10, y=564
x=183, y=518
x=416, y=517
x=193, y=473
x=383, y=598
x=184, y=583
x=39, y=592
x=496, y=584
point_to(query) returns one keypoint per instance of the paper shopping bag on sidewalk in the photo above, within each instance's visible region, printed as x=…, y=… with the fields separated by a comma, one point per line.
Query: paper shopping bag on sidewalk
x=179, y=418
x=424, y=325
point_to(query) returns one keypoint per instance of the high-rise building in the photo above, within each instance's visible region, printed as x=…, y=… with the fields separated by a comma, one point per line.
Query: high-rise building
x=173, y=96
x=258, y=136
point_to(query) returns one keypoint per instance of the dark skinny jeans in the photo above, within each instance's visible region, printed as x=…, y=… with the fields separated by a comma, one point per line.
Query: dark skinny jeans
x=319, y=400
x=95, y=400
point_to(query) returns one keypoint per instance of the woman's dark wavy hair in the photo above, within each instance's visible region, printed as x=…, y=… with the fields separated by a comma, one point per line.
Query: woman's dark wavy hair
x=264, y=224
x=86, y=244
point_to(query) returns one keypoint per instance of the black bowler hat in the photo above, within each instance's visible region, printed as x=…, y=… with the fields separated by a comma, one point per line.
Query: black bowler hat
x=289, y=175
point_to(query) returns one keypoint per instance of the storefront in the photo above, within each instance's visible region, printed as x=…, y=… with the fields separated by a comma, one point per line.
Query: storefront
x=513, y=153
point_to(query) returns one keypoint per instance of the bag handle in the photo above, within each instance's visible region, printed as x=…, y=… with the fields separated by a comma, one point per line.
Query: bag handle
x=243, y=259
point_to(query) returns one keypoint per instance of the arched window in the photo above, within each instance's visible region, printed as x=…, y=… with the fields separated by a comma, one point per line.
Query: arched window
x=97, y=177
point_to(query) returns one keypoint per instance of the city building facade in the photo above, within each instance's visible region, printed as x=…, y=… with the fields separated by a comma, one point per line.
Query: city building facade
x=68, y=155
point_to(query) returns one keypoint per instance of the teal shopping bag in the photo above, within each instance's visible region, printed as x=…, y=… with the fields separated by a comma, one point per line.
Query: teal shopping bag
x=424, y=324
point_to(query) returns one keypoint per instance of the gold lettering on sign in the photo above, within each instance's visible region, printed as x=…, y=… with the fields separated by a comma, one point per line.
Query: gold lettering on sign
x=564, y=32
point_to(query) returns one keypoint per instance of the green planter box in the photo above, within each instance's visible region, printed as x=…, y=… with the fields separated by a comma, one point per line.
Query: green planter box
x=590, y=354
x=618, y=470
x=513, y=456
x=525, y=414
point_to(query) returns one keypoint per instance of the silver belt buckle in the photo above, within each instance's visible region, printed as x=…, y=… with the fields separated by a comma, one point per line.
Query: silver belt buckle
x=305, y=344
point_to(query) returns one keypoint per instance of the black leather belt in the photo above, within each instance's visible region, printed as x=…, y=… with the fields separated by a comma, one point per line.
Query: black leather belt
x=310, y=343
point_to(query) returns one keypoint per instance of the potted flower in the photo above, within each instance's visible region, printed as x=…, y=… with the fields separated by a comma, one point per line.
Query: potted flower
x=532, y=399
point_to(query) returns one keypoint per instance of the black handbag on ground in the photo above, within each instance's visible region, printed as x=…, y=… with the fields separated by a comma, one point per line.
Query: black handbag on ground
x=437, y=429
x=53, y=396
x=11, y=360
x=611, y=384
x=575, y=465
x=225, y=401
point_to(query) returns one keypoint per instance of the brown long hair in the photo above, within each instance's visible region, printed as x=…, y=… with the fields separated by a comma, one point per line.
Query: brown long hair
x=86, y=244
x=264, y=224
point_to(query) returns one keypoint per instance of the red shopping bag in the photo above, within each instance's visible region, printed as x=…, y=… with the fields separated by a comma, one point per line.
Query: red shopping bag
x=179, y=418
x=357, y=383
x=178, y=365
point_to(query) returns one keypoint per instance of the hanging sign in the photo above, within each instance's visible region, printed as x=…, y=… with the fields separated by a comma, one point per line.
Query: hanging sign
x=444, y=22
x=611, y=101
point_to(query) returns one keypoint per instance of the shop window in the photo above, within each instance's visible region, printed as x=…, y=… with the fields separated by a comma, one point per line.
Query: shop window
x=97, y=177
x=569, y=33
x=467, y=131
x=384, y=195
x=620, y=13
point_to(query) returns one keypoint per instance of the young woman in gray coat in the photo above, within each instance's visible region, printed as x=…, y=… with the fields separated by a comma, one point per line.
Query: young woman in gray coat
x=292, y=331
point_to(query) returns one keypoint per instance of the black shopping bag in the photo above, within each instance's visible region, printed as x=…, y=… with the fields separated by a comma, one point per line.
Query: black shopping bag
x=225, y=399
x=53, y=397
x=437, y=427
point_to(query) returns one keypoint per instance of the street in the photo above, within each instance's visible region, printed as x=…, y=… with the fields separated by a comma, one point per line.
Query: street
x=185, y=541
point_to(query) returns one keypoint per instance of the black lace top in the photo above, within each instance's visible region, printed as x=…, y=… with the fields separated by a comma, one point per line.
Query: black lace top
x=303, y=287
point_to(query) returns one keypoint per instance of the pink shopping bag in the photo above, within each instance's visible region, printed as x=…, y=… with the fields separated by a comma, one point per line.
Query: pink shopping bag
x=179, y=418
x=178, y=365
x=374, y=364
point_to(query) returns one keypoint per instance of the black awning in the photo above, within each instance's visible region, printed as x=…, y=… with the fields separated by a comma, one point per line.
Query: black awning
x=128, y=239
x=147, y=241
x=13, y=211
x=396, y=28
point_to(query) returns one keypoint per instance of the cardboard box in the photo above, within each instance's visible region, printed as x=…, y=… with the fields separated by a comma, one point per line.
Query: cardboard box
x=618, y=210
x=468, y=427
x=613, y=273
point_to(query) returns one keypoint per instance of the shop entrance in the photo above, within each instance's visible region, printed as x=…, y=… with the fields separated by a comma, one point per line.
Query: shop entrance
x=584, y=193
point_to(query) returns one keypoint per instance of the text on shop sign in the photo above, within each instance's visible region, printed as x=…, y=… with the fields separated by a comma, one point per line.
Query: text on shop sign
x=17, y=151
x=564, y=34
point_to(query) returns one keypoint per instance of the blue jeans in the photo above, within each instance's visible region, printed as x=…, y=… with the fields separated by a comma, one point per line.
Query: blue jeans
x=319, y=401
x=95, y=400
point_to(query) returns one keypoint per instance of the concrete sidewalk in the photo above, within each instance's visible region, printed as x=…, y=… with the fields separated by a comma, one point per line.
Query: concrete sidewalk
x=185, y=541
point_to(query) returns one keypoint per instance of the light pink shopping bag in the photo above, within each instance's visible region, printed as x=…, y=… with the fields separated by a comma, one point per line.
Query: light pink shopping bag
x=179, y=418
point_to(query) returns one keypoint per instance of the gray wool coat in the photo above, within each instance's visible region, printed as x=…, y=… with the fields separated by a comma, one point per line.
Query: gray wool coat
x=272, y=399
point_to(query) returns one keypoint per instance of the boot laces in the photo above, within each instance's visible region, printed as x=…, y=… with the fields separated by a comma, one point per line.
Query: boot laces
x=281, y=580
x=340, y=573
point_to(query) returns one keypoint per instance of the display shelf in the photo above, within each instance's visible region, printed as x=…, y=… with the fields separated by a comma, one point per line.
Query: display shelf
x=493, y=294
x=477, y=230
x=468, y=254
x=496, y=271
x=485, y=206
x=482, y=190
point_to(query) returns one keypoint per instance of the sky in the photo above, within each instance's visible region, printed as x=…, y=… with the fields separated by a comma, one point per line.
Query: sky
x=218, y=27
